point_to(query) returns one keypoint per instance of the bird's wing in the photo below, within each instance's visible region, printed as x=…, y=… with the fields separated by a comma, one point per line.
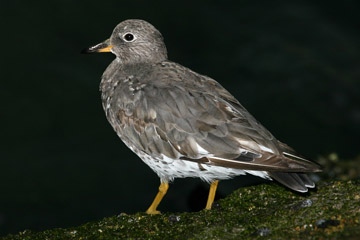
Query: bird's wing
x=183, y=115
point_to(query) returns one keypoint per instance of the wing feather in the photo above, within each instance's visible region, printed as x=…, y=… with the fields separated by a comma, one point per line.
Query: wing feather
x=194, y=118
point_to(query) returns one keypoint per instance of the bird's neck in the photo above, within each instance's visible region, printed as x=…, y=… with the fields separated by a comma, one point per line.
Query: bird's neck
x=138, y=57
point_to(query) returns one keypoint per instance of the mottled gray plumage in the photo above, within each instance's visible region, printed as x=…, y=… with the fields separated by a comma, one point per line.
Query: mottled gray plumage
x=183, y=124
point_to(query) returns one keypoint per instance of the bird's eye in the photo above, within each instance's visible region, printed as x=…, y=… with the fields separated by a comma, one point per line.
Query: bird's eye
x=129, y=37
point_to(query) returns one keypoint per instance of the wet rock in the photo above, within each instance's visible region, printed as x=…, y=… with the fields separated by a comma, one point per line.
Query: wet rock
x=303, y=204
x=262, y=232
x=216, y=205
x=266, y=202
x=324, y=223
x=306, y=203
x=174, y=218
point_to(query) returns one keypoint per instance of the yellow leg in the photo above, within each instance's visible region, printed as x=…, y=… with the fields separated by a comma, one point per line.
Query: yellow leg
x=211, y=196
x=162, y=191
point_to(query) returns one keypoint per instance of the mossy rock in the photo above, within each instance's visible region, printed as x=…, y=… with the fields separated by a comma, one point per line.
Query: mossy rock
x=267, y=211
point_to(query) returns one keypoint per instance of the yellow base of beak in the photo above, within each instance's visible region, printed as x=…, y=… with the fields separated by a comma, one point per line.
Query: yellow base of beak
x=107, y=49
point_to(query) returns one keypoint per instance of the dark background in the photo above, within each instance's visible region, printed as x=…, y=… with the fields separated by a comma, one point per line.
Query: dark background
x=293, y=64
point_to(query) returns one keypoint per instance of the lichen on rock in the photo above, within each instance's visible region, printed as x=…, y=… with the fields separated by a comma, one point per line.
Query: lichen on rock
x=266, y=211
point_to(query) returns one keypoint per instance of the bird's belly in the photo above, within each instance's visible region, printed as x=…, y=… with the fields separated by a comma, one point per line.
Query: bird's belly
x=169, y=168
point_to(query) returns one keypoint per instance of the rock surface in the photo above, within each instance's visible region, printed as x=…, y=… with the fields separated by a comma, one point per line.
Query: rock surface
x=267, y=211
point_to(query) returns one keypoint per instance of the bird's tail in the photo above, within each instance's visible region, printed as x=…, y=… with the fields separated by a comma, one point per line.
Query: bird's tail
x=296, y=181
x=299, y=182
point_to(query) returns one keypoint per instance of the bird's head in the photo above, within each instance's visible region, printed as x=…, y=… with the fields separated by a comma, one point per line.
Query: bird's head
x=133, y=41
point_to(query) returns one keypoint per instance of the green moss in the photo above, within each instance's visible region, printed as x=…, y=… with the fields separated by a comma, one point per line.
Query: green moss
x=268, y=209
x=337, y=168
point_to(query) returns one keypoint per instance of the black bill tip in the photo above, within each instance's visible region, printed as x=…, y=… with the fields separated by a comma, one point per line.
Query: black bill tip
x=98, y=48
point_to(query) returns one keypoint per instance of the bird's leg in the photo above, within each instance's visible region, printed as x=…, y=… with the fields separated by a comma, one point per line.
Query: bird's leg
x=211, y=196
x=162, y=191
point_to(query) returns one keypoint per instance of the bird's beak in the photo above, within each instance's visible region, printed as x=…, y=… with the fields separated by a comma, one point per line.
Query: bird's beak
x=101, y=47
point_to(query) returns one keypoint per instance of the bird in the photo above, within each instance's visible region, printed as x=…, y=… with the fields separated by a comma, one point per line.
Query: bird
x=184, y=124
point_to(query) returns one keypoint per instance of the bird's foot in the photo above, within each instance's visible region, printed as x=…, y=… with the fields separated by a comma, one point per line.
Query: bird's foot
x=152, y=211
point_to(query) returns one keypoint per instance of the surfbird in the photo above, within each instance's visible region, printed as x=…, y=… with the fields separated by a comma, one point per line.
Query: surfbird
x=184, y=124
